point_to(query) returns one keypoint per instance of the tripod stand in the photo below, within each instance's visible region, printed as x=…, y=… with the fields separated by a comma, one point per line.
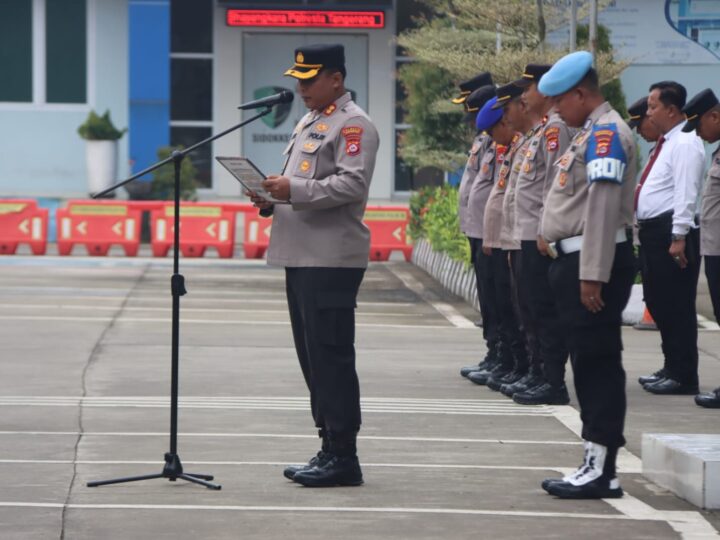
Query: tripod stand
x=173, y=468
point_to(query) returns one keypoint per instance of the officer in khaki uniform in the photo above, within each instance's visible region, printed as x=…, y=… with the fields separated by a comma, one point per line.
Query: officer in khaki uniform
x=545, y=382
x=321, y=240
x=516, y=113
x=512, y=343
x=703, y=116
x=587, y=219
x=474, y=189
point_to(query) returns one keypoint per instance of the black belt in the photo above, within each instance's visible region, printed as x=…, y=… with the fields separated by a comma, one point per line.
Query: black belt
x=658, y=221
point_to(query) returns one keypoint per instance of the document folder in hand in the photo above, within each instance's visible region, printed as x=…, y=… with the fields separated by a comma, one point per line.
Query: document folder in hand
x=248, y=175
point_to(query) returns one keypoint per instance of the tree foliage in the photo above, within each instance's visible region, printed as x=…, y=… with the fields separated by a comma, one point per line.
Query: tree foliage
x=459, y=41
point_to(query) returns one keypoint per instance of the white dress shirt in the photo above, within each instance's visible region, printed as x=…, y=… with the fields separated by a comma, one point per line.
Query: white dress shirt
x=673, y=183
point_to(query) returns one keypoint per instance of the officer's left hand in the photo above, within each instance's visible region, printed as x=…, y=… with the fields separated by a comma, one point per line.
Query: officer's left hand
x=278, y=187
x=590, y=295
x=677, y=252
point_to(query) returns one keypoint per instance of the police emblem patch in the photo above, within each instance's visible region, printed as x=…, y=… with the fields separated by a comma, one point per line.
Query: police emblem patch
x=527, y=167
x=309, y=146
x=352, y=135
x=552, y=136
x=305, y=165
x=300, y=58
x=322, y=127
x=603, y=140
x=485, y=168
x=562, y=179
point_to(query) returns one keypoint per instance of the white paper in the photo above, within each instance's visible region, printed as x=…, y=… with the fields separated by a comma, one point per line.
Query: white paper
x=248, y=175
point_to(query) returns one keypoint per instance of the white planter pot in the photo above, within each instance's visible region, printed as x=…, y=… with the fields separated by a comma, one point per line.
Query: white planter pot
x=101, y=158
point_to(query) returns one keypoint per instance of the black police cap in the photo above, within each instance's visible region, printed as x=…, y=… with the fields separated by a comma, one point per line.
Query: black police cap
x=697, y=106
x=507, y=93
x=310, y=59
x=477, y=99
x=466, y=87
x=637, y=111
x=532, y=74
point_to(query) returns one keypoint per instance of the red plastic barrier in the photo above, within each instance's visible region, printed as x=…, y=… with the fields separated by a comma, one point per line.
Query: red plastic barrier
x=257, y=235
x=202, y=225
x=98, y=225
x=387, y=224
x=22, y=222
x=388, y=231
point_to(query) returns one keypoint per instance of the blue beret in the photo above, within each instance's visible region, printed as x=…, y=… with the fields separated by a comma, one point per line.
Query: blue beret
x=488, y=117
x=566, y=73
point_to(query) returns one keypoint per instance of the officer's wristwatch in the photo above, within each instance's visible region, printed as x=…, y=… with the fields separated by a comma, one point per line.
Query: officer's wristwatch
x=678, y=237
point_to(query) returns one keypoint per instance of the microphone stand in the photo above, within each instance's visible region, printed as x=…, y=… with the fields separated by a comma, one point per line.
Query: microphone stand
x=173, y=468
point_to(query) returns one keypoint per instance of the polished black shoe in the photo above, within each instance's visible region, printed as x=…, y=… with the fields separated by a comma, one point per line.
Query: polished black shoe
x=336, y=471
x=496, y=383
x=545, y=484
x=672, y=387
x=600, y=488
x=710, y=400
x=659, y=375
x=495, y=378
x=316, y=461
x=545, y=394
x=528, y=382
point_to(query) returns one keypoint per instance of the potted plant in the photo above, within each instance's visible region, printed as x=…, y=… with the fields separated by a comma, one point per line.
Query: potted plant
x=101, y=155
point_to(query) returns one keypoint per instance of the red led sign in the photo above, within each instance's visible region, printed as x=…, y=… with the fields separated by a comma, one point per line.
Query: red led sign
x=306, y=19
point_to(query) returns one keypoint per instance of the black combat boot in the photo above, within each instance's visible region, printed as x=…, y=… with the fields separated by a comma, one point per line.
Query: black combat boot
x=489, y=360
x=341, y=468
x=321, y=457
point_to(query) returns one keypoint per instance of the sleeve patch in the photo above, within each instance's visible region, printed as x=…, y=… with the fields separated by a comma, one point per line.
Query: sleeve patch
x=552, y=139
x=352, y=135
x=605, y=156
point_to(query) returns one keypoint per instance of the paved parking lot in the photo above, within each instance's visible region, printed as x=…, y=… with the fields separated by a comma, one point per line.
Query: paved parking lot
x=84, y=395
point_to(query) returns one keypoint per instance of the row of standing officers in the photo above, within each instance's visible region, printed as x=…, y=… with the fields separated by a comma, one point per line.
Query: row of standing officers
x=549, y=201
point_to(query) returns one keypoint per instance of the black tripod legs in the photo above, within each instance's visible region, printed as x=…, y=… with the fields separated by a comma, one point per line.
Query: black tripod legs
x=172, y=471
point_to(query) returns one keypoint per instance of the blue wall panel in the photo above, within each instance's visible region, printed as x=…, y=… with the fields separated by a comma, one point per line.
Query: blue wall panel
x=149, y=80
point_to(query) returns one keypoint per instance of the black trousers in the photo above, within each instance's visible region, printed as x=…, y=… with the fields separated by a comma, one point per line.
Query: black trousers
x=482, y=265
x=512, y=339
x=712, y=273
x=595, y=343
x=670, y=294
x=322, y=312
x=551, y=349
x=521, y=288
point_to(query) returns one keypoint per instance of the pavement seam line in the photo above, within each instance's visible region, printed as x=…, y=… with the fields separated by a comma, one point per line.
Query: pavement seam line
x=446, y=310
x=92, y=357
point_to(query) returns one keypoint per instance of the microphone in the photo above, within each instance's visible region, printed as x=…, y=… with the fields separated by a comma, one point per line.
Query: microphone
x=275, y=99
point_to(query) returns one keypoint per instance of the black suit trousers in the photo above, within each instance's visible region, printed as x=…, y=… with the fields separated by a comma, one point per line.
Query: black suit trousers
x=482, y=264
x=712, y=273
x=670, y=293
x=322, y=305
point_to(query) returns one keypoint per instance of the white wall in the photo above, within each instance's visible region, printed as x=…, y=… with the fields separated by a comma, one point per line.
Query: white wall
x=227, y=95
x=41, y=153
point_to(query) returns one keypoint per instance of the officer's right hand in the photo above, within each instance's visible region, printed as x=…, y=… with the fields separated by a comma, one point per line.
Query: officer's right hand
x=542, y=246
x=258, y=201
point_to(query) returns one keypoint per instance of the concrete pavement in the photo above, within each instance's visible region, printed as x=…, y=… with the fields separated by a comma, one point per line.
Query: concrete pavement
x=84, y=387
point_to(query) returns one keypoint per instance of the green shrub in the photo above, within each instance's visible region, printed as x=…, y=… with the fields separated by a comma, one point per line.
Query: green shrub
x=419, y=201
x=163, y=183
x=442, y=225
x=99, y=128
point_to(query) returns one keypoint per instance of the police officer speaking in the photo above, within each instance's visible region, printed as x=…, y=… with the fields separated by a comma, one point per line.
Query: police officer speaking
x=323, y=244
x=587, y=218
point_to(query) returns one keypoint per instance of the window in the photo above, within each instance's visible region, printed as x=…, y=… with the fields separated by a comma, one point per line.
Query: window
x=16, y=50
x=65, y=57
x=191, y=73
x=43, y=51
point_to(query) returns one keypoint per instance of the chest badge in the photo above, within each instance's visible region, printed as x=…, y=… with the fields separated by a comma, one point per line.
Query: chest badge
x=322, y=128
x=562, y=179
x=527, y=167
x=309, y=146
x=305, y=165
x=329, y=109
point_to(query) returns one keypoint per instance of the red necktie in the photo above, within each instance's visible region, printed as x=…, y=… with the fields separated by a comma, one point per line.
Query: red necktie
x=648, y=167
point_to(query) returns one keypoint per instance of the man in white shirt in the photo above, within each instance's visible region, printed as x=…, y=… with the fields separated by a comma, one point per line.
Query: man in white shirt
x=665, y=203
